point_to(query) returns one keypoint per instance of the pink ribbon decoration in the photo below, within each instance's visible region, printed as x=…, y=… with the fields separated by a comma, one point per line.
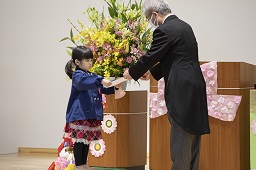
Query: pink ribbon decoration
x=222, y=107
x=156, y=101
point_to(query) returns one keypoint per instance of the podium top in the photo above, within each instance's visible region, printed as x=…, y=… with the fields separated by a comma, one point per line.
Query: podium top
x=230, y=75
x=236, y=75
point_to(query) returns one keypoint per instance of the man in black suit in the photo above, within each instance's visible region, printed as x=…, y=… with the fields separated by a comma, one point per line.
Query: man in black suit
x=174, y=56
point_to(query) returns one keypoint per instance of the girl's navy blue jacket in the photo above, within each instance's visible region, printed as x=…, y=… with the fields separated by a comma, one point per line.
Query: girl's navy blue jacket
x=85, y=101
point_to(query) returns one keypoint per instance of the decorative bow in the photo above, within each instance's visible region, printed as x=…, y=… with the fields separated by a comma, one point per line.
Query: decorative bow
x=223, y=107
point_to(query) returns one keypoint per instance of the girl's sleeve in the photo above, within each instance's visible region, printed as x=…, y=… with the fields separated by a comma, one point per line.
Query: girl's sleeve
x=82, y=81
x=109, y=90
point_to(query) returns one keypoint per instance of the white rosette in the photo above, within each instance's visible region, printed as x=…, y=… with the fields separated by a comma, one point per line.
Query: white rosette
x=97, y=148
x=109, y=124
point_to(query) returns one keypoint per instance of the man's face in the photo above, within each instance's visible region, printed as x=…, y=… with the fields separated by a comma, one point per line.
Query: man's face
x=153, y=19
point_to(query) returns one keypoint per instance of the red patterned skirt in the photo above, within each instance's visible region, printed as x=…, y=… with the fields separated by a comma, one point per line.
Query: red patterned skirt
x=83, y=131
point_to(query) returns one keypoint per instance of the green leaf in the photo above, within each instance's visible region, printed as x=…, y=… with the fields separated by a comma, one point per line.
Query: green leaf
x=133, y=6
x=124, y=17
x=63, y=39
x=71, y=36
x=140, y=4
x=69, y=52
x=146, y=33
x=137, y=6
x=110, y=11
x=71, y=48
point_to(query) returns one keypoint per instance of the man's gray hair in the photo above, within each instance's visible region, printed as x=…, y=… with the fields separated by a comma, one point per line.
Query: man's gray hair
x=160, y=6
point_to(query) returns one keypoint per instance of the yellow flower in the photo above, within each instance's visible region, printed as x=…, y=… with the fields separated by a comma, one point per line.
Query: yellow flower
x=112, y=38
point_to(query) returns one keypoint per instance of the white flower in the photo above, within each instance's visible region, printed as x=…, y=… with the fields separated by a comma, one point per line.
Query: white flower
x=212, y=82
x=214, y=104
x=221, y=100
x=208, y=90
x=230, y=117
x=162, y=103
x=212, y=67
x=224, y=109
x=160, y=111
x=230, y=105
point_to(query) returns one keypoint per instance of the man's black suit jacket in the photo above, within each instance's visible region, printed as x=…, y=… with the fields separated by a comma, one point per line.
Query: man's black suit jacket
x=174, y=56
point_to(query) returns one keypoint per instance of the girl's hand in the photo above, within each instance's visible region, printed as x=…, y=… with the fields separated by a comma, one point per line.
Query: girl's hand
x=106, y=82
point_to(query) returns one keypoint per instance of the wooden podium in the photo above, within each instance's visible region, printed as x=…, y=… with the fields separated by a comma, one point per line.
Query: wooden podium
x=127, y=146
x=227, y=147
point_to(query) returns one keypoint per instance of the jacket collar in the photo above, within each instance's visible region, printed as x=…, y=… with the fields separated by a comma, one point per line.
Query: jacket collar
x=170, y=17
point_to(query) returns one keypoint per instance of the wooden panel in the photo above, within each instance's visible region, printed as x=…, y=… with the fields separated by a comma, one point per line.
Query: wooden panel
x=116, y=143
x=159, y=155
x=209, y=153
x=244, y=116
x=227, y=146
x=246, y=75
x=126, y=147
x=26, y=150
x=228, y=74
x=137, y=140
x=138, y=128
x=153, y=85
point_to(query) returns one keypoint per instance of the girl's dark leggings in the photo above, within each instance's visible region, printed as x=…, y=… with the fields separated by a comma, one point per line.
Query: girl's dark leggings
x=80, y=151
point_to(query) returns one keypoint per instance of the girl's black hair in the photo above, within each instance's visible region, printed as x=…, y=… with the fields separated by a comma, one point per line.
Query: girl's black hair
x=79, y=53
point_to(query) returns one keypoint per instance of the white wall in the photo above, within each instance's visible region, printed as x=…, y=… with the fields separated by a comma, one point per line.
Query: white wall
x=225, y=30
x=33, y=92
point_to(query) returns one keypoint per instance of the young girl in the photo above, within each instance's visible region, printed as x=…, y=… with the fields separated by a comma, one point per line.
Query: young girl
x=84, y=111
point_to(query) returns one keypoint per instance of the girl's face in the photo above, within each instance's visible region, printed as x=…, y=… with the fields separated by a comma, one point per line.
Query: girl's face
x=85, y=64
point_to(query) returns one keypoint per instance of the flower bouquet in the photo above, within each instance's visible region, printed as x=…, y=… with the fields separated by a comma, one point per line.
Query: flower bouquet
x=118, y=40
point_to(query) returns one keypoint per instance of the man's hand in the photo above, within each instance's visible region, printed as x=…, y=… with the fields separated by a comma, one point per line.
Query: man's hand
x=106, y=82
x=146, y=76
x=118, y=85
x=127, y=75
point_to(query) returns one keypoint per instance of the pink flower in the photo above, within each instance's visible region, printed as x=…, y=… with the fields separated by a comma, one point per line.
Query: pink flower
x=217, y=114
x=133, y=25
x=100, y=58
x=104, y=98
x=94, y=47
x=154, y=109
x=61, y=163
x=134, y=50
x=119, y=33
x=106, y=46
x=128, y=59
x=203, y=67
x=118, y=21
x=161, y=91
x=237, y=99
x=210, y=73
x=253, y=126
x=122, y=50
